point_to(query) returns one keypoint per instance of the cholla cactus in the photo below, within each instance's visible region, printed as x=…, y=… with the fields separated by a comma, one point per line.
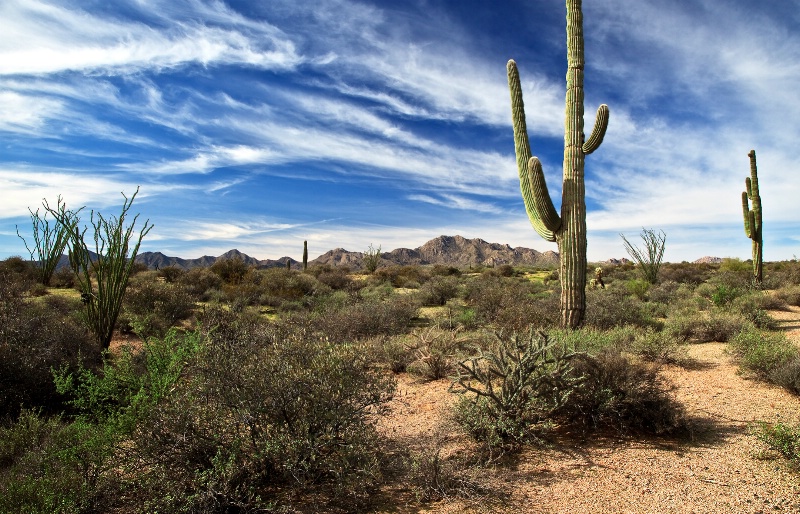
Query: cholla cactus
x=752, y=217
x=568, y=229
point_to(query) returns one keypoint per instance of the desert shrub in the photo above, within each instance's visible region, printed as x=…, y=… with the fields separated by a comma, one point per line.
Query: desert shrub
x=18, y=269
x=704, y=326
x=439, y=289
x=780, y=437
x=201, y=282
x=263, y=411
x=171, y=274
x=638, y=288
x=278, y=287
x=151, y=307
x=511, y=392
x=720, y=294
x=781, y=274
x=435, y=351
x=231, y=271
x=67, y=465
x=688, y=273
x=401, y=276
x=48, y=466
x=361, y=319
x=620, y=394
x=396, y=352
x=490, y=295
x=36, y=335
x=337, y=279
x=436, y=476
x=593, y=340
x=63, y=277
x=761, y=352
x=612, y=307
x=541, y=311
x=787, y=375
x=789, y=295
x=753, y=308
x=735, y=274
x=658, y=346
x=441, y=270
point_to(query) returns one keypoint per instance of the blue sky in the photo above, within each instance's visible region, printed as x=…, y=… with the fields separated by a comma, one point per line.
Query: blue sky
x=258, y=125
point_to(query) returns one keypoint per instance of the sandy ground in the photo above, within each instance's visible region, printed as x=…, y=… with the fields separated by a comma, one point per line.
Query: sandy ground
x=722, y=468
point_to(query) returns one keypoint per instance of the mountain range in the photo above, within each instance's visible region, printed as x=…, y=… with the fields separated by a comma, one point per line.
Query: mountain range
x=447, y=250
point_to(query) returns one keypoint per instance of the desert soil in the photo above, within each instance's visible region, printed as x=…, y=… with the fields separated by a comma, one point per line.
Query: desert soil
x=721, y=468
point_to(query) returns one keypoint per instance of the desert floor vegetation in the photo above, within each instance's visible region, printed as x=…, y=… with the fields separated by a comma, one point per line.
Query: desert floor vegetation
x=408, y=389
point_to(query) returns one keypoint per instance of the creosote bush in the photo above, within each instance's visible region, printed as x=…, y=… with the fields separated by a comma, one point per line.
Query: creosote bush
x=35, y=336
x=618, y=393
x=264, y=411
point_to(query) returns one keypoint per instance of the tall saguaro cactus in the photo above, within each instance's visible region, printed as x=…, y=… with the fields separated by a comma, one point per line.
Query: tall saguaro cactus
x=568, y=229
x=752, y=217
x=305, y=255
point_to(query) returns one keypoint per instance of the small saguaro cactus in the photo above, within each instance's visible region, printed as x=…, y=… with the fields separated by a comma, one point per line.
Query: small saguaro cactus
x=569, y=229
x=305, y=255
x=752, y=217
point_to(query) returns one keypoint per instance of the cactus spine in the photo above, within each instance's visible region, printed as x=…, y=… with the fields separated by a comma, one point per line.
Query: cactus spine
x=305, y=255
x=569, y=229
x=752, y=217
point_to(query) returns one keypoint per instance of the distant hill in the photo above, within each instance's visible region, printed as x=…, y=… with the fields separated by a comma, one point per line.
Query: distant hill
x=447, y=250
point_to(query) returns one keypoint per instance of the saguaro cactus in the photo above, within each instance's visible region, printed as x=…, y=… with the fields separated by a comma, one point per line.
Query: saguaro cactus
x=305, y=255
x=569, y=229
x=752, y=217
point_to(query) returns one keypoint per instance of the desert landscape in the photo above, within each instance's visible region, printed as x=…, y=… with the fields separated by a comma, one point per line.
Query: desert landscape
x=247, y=386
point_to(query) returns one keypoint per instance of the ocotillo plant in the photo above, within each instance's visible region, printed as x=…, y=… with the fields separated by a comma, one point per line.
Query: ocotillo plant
x=305, y=255
x=752, y=217
x=569, y=229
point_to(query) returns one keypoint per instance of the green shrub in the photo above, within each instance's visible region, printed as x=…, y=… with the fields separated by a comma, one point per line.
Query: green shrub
x=151, y=307
x=171, y=274
x=789, y=295
x=396, y=352
x=49, y=466
x=638, y=288
x=401, y=276
x=668, y=292
x=612, y=307
x=691, y=274
x=593, y=340
x=337, y=279
x=541, y=312
x=511, y=303
x=264, y=417
x=787, y=375
x=360, y=319
x=201, y=282
x=723, y=295
x=35, y=336
x=753, y=308
x=231, y=271
x=762, y=352
x=701, y=327
x=782, y=438
x=658, y=346
x=439, y=289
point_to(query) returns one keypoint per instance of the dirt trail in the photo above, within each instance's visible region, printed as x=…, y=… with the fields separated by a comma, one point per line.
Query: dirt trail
x=724, y=469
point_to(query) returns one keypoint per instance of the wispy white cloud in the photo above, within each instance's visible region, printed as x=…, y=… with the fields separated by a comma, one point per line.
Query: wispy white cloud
x=60, y=38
